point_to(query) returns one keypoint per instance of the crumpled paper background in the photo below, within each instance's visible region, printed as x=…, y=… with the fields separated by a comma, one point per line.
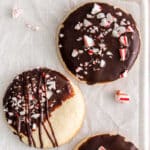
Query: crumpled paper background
x=22, y=49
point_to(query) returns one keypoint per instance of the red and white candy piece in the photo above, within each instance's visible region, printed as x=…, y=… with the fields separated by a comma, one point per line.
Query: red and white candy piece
x=122, y=97
x=101, y=148
x=124, y=74
x=88, y=41
x=87, y=23
x=90, y=52
x=123, y=52
x=129, y=29
x=124, y=40
x=17, y=12
x=96, y=9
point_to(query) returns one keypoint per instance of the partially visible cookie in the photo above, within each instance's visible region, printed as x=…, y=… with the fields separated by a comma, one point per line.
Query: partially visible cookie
x=98, y=42
x=105, y=142
x=43, y=108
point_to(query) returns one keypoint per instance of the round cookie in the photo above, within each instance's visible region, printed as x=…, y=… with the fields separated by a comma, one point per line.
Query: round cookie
x=105, y=142
x=98, y=43
x=43, y=108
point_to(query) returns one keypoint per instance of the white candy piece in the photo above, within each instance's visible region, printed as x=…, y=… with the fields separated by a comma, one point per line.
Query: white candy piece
x=89, y=16
x=102, y=63
x=78, y=69
x=9, y=121
x=35, y=116
x=96, y=9
x=75, y=53
x=88, y=41
x=86, y=23
x=124, y=40
x=100, y=15
x=121, y=97
x=118, y=30
x=101, y=148
x=124, y=74
x=78, y=26
x=34, y=126
x=49, y=94
x=17, y=12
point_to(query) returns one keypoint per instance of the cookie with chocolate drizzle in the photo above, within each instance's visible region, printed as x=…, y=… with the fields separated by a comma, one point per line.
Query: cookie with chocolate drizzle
x=98, y=42
x=40, y=106
x=105, y=142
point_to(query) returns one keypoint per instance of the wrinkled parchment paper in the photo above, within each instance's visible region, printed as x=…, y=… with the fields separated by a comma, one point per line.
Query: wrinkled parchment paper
x=22, y=49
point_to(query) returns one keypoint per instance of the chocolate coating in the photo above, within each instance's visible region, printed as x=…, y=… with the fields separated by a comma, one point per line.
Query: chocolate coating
x=31, y=98
x=108, y=142
x=90, y=41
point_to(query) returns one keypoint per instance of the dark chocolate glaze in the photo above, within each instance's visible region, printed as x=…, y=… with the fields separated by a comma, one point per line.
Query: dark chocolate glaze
x=71, y=39
x=108, y=142
x=31, y=98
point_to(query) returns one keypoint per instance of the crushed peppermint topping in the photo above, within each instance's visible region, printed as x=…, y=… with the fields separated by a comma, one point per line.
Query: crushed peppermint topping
x=119, y=13
x=101, y=148
x=95, y=30
x=100, y=15
x=124, y=40
x=75, y=53
x=87, y=23
x=78, y=26
x=17, y=12
x=102, y=63
x=78, y=69
x=88, y=41
x=96, y=9
x=89, y=16
x=118, y=30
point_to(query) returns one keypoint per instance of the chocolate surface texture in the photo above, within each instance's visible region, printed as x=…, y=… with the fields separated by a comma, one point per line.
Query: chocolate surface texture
x=31, y=98
x=98, y=42
x=107, y=142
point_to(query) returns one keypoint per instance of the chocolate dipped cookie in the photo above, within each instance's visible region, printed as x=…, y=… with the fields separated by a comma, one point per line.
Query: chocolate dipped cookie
x=98, y=42
x=43, y=108
x=105, y=142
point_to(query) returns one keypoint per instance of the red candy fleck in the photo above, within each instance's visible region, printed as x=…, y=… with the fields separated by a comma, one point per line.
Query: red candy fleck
x=122, y=97
x=90, y=52
x=123, y=53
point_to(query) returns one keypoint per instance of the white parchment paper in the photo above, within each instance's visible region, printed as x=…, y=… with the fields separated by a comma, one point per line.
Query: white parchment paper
x=22, y=49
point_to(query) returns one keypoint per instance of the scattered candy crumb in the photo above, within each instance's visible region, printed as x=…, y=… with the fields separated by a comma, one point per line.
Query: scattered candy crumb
x=122, y=97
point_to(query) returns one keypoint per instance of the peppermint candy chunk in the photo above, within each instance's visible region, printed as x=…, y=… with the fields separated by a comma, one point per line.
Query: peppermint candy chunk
x=17, y=12
x=118, y=30
x=78, y=26
x=122, y=97
x=78, y=69
x=129, y=29
x=101, y=148
x=87, y=23
x=90, y=52
x=75, y=53
x=123, y=53
x=102, y=63
x=88, y=41
x=124, y=74
x=96, y=9
x=124, y=40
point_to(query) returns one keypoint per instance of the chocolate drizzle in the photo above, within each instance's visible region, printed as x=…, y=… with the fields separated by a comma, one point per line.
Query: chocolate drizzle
x=30, y=100
x=107, y=142
x=98, y=42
